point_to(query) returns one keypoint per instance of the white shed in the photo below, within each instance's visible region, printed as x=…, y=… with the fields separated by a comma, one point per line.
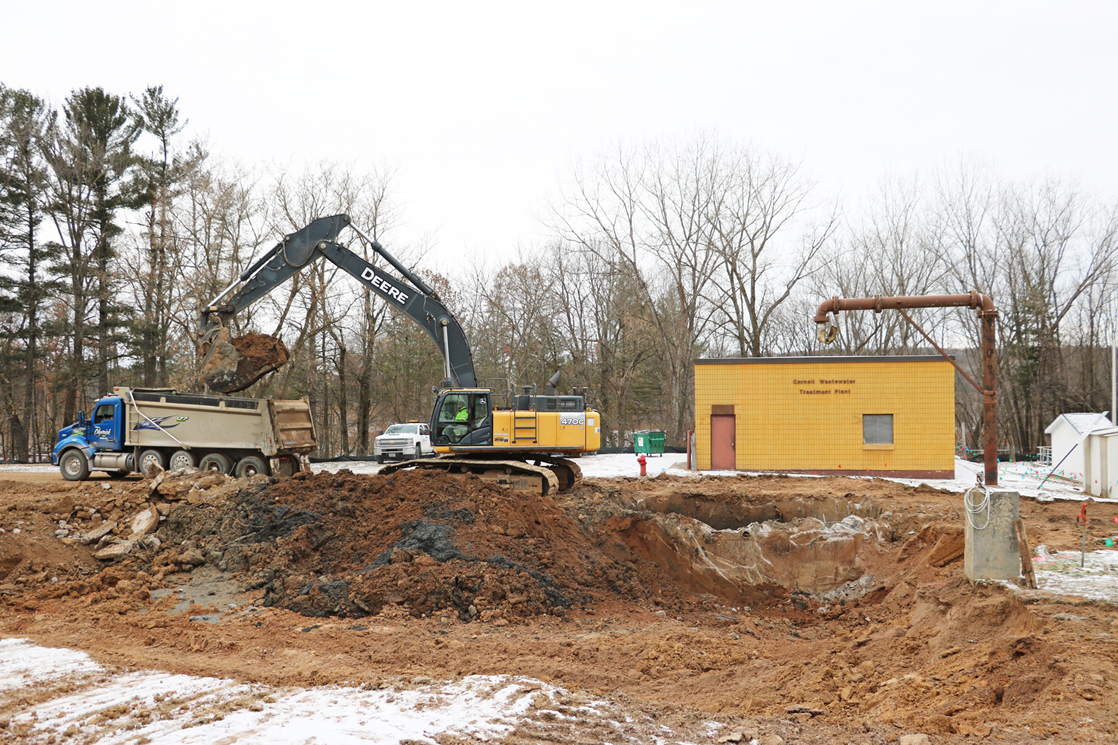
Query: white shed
x=1069, y=433
x=1100, y=465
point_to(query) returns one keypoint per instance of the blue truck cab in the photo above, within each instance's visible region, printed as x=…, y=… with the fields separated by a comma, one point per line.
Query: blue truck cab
x=103, y=433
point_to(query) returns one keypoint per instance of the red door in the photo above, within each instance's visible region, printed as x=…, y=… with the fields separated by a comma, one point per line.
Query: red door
x=723, y=448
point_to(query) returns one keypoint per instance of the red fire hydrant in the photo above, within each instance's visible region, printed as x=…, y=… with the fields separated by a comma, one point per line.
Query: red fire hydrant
x=641, y=459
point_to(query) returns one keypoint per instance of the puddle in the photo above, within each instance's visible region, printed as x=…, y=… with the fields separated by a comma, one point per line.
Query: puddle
x=743, y=552
x=209, y=590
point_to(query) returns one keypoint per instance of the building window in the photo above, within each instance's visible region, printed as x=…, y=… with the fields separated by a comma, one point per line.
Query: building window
x=877, y=429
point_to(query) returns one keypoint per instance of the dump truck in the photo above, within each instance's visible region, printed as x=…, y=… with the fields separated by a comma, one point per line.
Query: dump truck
x=524, y=441
x=132, y=430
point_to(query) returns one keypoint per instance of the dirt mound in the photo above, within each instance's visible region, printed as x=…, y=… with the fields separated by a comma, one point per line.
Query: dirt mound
x=348, y=545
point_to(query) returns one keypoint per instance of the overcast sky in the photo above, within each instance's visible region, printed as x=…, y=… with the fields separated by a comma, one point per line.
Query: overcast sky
x=482, y=106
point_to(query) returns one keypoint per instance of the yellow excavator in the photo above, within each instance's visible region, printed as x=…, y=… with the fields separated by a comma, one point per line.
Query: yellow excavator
x=524, y=441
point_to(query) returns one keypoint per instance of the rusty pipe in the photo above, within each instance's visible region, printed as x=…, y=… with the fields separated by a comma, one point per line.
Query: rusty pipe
x=988, y=315
x=877, y=303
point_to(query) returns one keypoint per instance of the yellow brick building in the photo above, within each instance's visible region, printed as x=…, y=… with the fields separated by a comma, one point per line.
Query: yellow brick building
x=890, y=416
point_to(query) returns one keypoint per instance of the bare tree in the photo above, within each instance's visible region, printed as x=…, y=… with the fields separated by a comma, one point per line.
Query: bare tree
x=324, y=306
x=1045, y=252
x=645, y=214
x=600, y=324
x=767, y=237
x=1056, y=249
x=158, y=268
x=520, y=342
x=896, y=250
x=220, y=222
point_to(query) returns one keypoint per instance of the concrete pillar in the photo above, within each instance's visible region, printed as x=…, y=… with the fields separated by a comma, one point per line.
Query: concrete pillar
x=991, y=550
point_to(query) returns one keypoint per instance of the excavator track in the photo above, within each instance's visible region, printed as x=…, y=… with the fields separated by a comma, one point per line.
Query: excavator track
x=547, y=476
x=566, y=471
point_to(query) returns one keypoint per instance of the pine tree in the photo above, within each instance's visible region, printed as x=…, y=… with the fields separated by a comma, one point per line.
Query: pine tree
x=92, y=168
x=163, y=175
x=25, y=287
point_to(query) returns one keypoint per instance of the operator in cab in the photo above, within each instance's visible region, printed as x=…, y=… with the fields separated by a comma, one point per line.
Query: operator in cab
x=454, y=410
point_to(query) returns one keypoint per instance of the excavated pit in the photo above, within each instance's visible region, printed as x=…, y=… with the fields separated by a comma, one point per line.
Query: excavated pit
x=731, y=515
x=744, y=551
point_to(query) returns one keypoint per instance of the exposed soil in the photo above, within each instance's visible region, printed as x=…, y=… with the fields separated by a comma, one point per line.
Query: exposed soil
x=619, y=588
x=259, y=351
x=235, y=364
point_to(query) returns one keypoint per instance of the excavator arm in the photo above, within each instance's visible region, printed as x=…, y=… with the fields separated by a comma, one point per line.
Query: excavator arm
x=227, y=368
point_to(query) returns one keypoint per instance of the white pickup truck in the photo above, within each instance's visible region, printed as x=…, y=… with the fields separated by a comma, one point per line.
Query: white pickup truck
x=404, y=441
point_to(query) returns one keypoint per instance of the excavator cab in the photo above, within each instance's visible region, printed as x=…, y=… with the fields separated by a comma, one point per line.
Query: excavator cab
x=463, y=417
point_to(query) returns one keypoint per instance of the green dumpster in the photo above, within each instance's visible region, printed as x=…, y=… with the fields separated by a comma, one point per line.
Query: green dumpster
x=648, y=442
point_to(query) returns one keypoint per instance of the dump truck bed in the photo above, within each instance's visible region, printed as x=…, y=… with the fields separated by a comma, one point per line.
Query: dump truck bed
x=169, y=419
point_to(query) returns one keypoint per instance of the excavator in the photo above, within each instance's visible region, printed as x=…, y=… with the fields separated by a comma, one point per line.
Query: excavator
x=525, y=441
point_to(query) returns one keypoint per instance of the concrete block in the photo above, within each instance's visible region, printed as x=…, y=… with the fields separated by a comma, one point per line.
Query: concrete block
x=991, y=550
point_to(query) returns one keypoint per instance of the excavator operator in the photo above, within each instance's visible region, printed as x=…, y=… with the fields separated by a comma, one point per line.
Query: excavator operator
x=454, y=410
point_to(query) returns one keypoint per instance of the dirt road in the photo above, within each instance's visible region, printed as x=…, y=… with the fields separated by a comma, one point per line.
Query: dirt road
x=853, y=623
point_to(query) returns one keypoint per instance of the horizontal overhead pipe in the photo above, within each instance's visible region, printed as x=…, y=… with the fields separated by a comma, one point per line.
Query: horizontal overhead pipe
x=988, y=315
x=877, y=303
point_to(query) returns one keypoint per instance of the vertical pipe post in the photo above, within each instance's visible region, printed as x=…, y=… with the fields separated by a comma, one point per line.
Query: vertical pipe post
x=990, y=396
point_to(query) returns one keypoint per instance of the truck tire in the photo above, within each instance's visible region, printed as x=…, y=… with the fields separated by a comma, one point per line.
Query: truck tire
x=215, y=462
x=380, y=459
x=74, y=465
x=181, y=459
x=249, y=466
x=418, y=452
x=148, y=458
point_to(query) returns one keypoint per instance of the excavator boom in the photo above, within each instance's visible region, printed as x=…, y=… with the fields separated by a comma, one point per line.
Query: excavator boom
x=230, y=365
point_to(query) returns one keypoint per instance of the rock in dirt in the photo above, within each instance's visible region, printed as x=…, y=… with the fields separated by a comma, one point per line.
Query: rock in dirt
x=144, y=522
x=801, y=709
x=114, y=550
x=193, y=557
x=63, y=508
x=98, y=533
x=917, y=739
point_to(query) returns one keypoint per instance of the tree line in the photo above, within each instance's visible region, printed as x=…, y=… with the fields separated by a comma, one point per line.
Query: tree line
x=115, y=230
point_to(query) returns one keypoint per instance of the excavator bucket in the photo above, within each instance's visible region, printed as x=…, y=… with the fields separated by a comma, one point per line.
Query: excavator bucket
x=231, y=365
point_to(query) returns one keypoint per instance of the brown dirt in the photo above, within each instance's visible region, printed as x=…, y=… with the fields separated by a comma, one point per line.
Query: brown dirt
x=336, y=577
x=235, y=364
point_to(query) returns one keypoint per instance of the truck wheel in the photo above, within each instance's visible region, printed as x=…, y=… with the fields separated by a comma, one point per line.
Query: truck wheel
x=181, y=459
x=418, y=452
x=380, y=459
x=215, y=462
x=249, y=466
x=74, y=466
x=150, y=458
